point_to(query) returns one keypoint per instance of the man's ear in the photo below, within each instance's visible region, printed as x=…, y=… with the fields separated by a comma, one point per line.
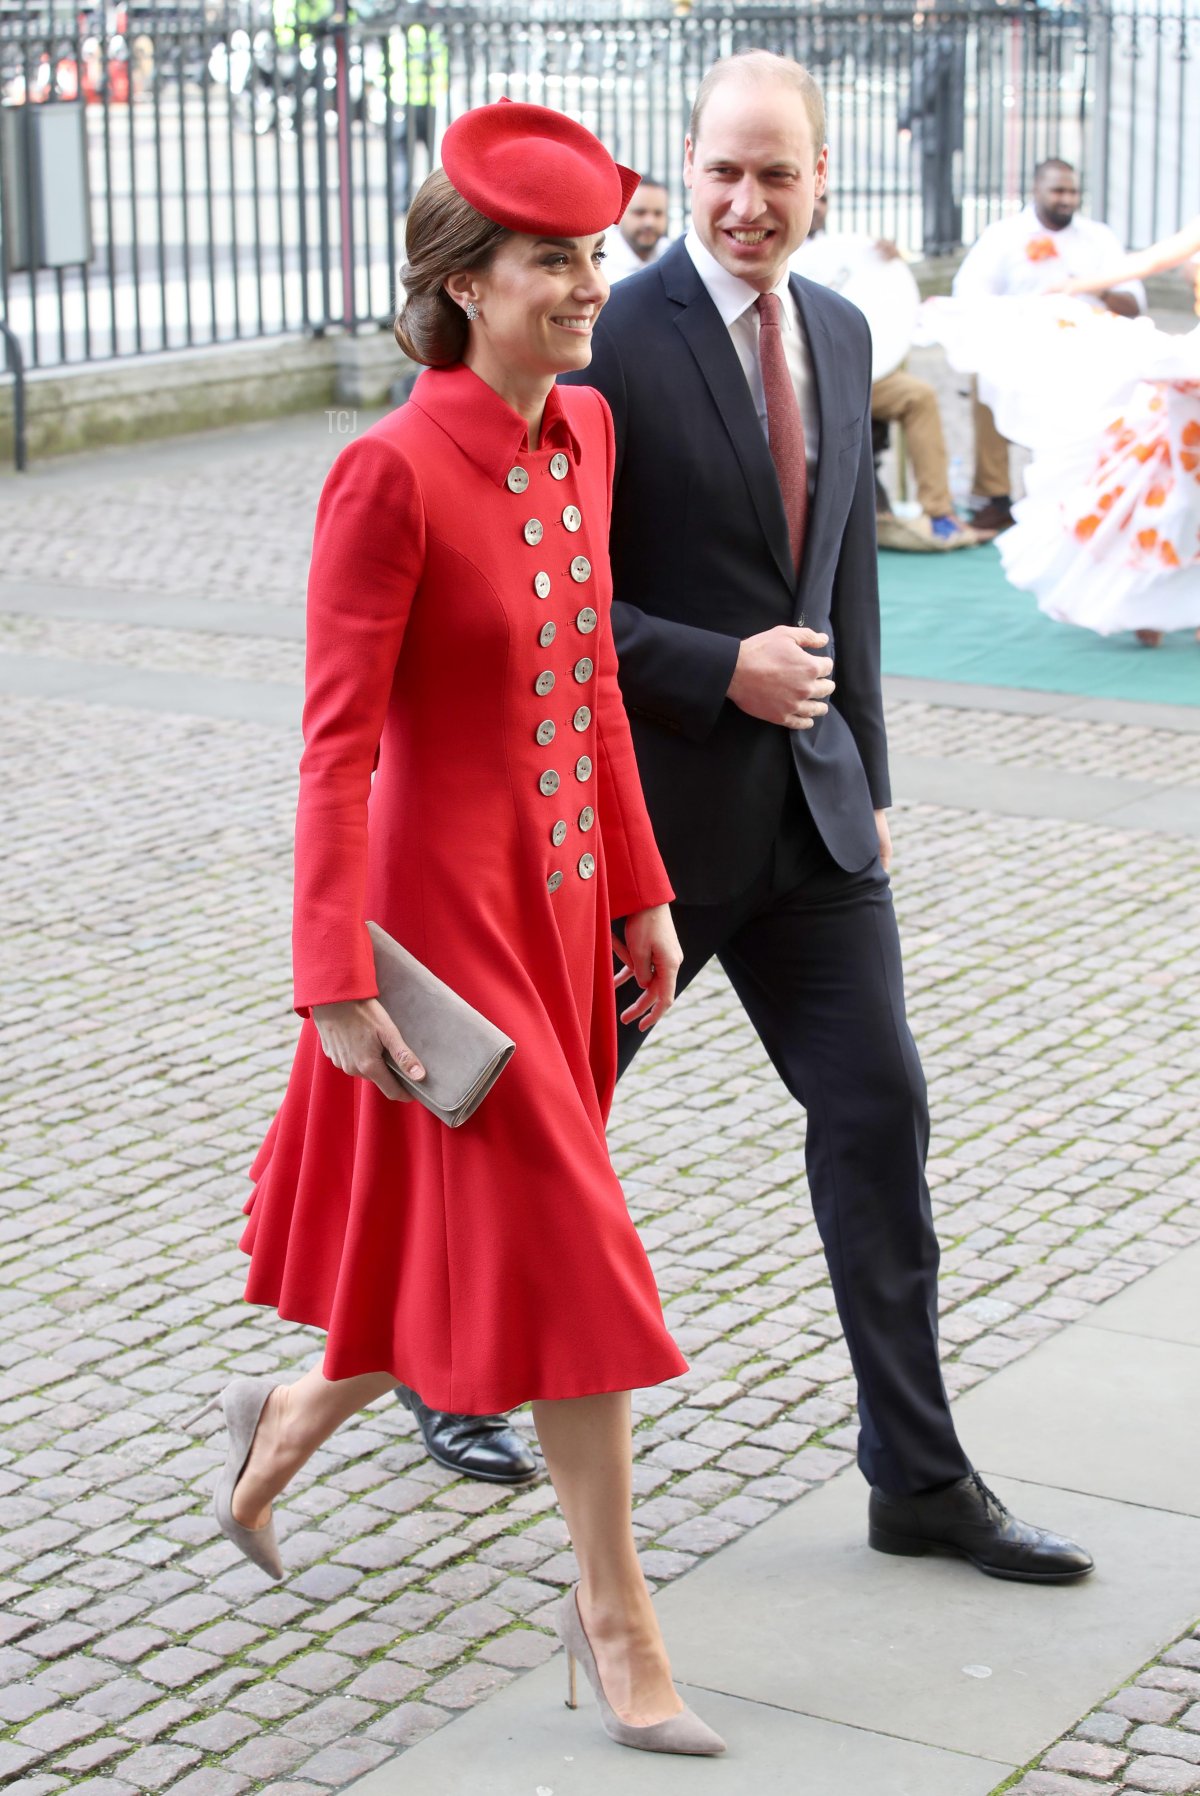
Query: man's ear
x=688, y=161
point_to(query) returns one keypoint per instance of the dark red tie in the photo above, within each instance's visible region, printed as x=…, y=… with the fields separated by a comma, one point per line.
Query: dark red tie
x=785, y=426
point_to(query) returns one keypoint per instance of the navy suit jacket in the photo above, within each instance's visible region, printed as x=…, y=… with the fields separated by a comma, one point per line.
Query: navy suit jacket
x=701, y=560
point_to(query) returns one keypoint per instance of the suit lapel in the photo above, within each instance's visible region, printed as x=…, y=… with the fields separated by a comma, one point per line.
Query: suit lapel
x=823, y=360
x=706, y=335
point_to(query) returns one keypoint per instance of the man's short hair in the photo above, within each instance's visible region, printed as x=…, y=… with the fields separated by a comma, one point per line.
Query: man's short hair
x=763, y=66
x=1050, y=162
x=653, y=181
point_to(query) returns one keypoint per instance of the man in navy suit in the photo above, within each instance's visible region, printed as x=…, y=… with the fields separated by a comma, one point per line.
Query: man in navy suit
x=747, y=627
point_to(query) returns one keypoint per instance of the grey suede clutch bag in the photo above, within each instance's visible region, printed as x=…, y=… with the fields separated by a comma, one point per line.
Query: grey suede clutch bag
x=462, y=1053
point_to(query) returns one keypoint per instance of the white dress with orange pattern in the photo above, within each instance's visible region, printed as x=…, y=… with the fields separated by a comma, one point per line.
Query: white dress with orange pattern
x=1108, y=536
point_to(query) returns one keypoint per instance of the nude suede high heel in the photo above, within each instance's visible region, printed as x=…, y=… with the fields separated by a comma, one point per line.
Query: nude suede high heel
x=684, y=1732
x=243, y=1402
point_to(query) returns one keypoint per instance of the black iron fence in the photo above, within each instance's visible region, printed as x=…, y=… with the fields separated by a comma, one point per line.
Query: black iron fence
x=246, y=174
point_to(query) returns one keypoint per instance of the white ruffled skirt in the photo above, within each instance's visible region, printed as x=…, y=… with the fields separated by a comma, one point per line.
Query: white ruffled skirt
x=1108, y=535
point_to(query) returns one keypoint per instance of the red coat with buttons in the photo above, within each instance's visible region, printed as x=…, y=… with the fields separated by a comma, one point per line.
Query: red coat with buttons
x=459, y=647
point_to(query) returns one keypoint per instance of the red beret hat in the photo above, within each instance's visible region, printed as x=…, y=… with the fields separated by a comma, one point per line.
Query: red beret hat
x=535, y=170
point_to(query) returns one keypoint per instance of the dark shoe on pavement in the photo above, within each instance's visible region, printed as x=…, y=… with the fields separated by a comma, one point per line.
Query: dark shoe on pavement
x=484, y=1447
x=993, y=517
x=969, y=1519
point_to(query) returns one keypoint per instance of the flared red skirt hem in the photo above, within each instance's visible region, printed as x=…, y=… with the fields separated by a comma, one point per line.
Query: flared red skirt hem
x=506, y=1393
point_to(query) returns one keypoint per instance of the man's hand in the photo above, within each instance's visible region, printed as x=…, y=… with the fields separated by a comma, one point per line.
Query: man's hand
x=1123, y=304
x=777, y=679
x=650, y=954
x=887, y=249
x=885, y=841
x=354, y=1036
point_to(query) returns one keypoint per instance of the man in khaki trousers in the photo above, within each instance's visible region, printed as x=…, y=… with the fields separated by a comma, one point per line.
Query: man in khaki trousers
x=899, y=398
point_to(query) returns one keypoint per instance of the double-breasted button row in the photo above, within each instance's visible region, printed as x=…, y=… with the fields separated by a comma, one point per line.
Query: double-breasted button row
x=558, y=834
x=581, y=570
x=549, y=782
x=585, y=866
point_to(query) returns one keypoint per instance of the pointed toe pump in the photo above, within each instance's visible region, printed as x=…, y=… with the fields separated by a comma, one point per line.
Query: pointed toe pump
x=243, y=1402
x=684, y=1733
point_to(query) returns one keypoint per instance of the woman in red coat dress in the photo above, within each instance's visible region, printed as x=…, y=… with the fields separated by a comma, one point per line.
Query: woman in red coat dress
x=459, y=648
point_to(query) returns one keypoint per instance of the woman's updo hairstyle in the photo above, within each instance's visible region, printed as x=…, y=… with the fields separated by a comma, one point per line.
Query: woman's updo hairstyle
x=444, y=235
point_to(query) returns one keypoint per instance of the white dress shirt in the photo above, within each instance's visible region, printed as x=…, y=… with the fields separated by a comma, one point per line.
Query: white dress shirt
x=734, y=299
x=1001, y=262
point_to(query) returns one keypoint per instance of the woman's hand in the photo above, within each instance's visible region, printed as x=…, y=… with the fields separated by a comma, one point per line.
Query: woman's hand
x=650, y=954
x=354, y=1036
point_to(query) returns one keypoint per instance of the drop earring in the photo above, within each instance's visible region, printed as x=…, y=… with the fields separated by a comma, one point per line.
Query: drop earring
x=472, y=311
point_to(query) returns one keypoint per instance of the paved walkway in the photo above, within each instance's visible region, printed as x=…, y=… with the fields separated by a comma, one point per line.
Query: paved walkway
x=150, y=659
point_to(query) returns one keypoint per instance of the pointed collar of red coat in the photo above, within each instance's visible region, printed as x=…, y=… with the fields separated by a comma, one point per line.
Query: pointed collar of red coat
x=487, y=430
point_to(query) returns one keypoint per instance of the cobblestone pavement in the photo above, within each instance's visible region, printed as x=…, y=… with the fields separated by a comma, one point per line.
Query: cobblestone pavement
x=1145, y=1737
x=146, y=1036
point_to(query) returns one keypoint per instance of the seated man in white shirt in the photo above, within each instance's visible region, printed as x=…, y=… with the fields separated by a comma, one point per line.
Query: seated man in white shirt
x=1031, y=253
x=899, y=397
x=641, y=236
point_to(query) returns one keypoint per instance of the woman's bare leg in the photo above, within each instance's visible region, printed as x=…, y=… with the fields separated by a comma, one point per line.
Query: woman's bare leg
x=588, y=1443
x=298, y=1418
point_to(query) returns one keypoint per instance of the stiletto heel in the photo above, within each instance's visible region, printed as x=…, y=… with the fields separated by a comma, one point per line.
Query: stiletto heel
x=684, y=1733
x=243, y=1402
x=193, y=1421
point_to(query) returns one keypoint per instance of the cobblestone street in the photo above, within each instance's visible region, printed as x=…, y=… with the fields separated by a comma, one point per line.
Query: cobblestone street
x=146, y=1036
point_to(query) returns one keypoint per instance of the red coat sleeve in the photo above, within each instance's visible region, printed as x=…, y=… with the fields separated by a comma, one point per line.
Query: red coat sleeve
x=637, y=877
x=368, y=553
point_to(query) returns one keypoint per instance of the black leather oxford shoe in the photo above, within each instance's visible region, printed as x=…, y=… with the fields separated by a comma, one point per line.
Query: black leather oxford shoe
x=485, y=1447
x=969, y=1519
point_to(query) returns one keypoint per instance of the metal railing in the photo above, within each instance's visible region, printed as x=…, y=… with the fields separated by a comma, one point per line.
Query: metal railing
x=247, y=181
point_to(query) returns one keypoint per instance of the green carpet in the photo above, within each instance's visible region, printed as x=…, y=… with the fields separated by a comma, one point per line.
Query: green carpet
x=955, y=617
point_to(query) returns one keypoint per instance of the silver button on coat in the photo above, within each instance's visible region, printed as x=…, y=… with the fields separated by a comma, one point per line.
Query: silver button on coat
x=583, y=767
x=587, y=866
x=572, y=517
x=586, y=621
x=517, y=480
x=533, y=532
x=541, y=585
x=581, y=569
x=584, y=668
x=558, y=834
x=549, y=782
x=554, y=881
x=582, y=718
x=560, y=467
x=545, y=733
x=547, y=633
x=544, y=683
x=587, y=817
